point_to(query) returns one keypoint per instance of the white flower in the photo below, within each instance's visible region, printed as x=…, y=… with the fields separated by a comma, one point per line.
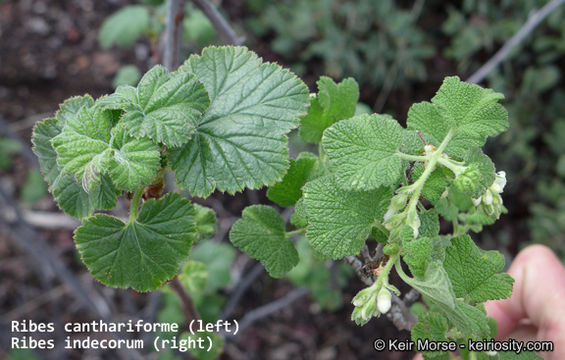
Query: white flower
x=384, y=301
x=499, y=182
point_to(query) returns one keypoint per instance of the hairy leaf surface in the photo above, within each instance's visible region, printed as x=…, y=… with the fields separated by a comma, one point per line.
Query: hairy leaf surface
x=334, y=102
x=261, y=233
x=164, y=107
x=141, y=254
x=472, y=111
x=474, y=273
x=363, y=151
x=340, y=221
x=70, y=195
x=240, y=140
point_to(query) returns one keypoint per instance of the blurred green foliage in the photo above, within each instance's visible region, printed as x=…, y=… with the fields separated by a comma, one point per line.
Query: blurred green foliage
x=400, y=47
x=369, y=40
x=146, y=20
x=8, y=147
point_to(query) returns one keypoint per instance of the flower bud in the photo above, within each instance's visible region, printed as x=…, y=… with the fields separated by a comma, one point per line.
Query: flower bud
x=384, y=300
x=362, y=297
x=487, y=197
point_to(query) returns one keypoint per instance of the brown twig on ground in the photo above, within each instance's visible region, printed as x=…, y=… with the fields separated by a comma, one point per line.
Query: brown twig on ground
x=220, y=24
x=240, y=289
x=263, y=311
x=42, y=219
x=533, y=21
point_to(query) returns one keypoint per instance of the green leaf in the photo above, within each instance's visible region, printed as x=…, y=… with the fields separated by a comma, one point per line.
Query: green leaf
x=417, y=255
x=431, y=326
x=142, y=254
x=70, y=108
x=43, y=132
x=289, y=189
x=437, y=182
x=240, y=141
x=334, y=102
x=135, y=161
x=471, y=321
x=299, y=217
x=363, y=151
x=209, y=305
x=205, y=222
x=434, y=285
x=164, y=107
x=218, y=258
x=261, y=233
x=437, y=291
x=124, y=26
x=70, y=196
x=127, y=75
x=429, y=223
x=484, y=167
x=472, y=111
x=340, y=221
x=474, y=272
x=194, y=276
x=82, y=145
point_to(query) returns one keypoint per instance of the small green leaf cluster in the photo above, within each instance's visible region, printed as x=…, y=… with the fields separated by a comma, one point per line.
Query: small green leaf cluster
x=374, y=179
x=220, y=122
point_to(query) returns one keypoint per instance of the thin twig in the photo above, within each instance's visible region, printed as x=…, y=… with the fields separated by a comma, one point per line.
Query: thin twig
x=227, y=34
x=400, y=314
x=41, y=219
x=357, y=266
x=186, y=302
x=175, y=14
x=241, y=288
x=263, y=311
x=533, y=21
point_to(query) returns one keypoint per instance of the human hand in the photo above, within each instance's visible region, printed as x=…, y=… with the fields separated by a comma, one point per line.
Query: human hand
x=536, y=310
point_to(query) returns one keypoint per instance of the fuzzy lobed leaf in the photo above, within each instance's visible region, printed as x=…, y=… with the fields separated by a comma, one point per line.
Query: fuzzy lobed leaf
x=135, y=161
x=240, y=140
x=194, y=276
x=474, y=273
x=363, y=151
x=261, y=233
x=473, y=112
x=340, y=221
x=166, y=108
x=334, y=102
x=142, y=254
x=70, y=195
